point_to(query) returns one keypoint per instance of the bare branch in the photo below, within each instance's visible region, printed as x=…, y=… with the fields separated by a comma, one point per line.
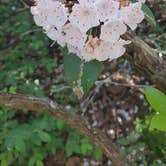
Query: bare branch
x=20, y=102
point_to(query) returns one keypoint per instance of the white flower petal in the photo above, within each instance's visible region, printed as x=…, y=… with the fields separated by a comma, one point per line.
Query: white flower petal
x=87, y=2
x=102, y=50
x=74, y=36
x=57, y=15
x=49, y=12
x=132, y=14
x=111, y=31
x=53, y=16
x=107, y=9
x=118, y=49
x=84, y=17
x=34, y=10
x=56, y=35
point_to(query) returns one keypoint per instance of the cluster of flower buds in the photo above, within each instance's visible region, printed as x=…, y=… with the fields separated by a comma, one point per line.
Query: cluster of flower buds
x=91, y=29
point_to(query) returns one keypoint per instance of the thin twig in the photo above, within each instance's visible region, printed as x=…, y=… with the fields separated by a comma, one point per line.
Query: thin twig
x=31, y=31
x=26, y=6
x=24, y=3
x=109, y=81
x=130, y=85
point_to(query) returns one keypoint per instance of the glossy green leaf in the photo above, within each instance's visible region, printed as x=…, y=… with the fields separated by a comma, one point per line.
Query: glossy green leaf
x=77, y=71
x=90, y=74
x=158, y=122
x=149, y=15
x=72, y=68
x=157, y=99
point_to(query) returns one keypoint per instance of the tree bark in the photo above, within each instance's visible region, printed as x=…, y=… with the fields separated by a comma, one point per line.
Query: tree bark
x=146, y=61
x=20, y=102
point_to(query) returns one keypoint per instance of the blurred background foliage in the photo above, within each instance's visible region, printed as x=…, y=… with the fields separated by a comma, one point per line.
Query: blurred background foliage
x=29, y=65
x=26, y=61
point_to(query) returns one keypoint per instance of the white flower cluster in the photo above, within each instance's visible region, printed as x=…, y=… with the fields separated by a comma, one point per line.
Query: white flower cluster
x=89, y=28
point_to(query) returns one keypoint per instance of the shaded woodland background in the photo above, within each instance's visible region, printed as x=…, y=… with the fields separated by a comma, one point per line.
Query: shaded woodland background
x=30, y=64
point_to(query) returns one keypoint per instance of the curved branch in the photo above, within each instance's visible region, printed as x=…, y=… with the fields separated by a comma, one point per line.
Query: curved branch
x=145, y=59
x=20, y=102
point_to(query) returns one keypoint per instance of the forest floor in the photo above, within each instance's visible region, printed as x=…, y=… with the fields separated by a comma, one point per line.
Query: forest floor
x=114, y=106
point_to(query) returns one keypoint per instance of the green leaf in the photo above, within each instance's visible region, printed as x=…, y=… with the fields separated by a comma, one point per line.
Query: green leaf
x=149, y=15
x=31, y=161
x=158, y=122
x=90, y=74
x=78, y=72
x=157, y=100
x=72, y=68
x=97, y=153
x=45, y=137
x=20, y=145
x=4, y=162
x=39, y=163
x=60, y=124
x=85, y=148
x=73, y=144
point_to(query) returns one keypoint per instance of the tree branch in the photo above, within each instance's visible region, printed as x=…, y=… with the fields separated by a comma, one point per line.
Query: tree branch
x=146, y=61
x=20, y=102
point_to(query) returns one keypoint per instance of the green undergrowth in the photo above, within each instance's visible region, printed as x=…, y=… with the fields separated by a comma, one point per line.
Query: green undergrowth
x=26, y=59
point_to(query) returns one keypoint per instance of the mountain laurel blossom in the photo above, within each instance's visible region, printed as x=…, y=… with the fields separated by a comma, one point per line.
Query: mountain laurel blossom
x=91, y=29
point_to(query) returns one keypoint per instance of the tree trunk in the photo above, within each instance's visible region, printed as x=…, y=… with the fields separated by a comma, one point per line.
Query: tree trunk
x=146, y=61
